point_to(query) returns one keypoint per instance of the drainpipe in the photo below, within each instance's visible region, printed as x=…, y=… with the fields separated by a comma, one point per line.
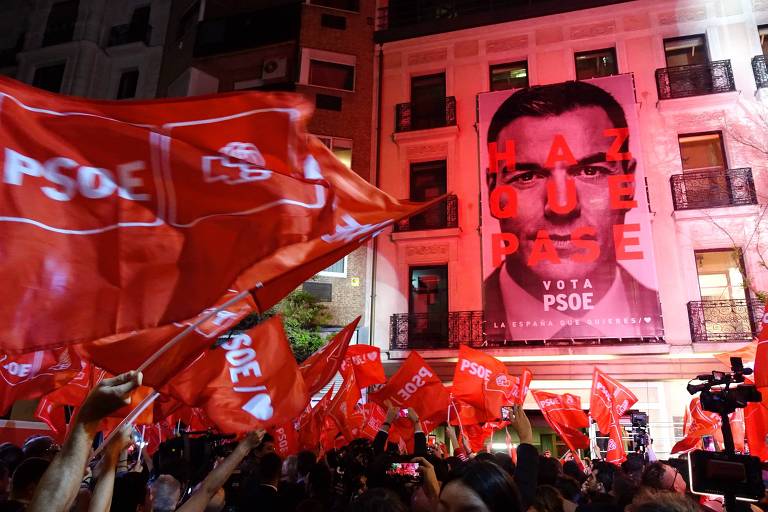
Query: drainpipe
x=375, y=179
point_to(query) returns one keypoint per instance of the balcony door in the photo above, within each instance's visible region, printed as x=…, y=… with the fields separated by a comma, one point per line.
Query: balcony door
x=702, y=156
x=723, y=292
x=688, y=51
x=428, y=307
x=428, y=101
x=428, y=181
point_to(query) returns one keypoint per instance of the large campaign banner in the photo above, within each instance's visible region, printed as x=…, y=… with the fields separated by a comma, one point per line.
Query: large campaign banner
x=567, y=247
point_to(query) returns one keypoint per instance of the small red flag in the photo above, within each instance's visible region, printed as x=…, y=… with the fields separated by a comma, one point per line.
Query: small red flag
x=365, y=361
x=312, y=420
x=286, y=439
x=608, y=402
x=343, y=408
x=696, y=423
x=319, y=368
x=761, y=359
x=565, y=416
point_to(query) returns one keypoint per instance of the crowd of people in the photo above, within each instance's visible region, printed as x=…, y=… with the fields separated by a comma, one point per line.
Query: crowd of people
x=362, y=476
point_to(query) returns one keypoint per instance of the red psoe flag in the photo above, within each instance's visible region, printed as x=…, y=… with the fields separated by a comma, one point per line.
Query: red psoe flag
x=312, y=420
x=35, y=374
x=319, y=368
x=416, y=385
x=761, y=359
x=365, y=362
x=286, y=439
x=565, y=415
x=343, y=408
x=608, y=402
x=250, y=381
x=756, y=423
x=127, y=205
x=696, y=423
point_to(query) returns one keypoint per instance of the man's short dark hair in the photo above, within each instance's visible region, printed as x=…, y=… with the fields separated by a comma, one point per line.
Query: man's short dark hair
x=653, y=476
x=555, y=100
x=28, y=473
x=270, y=467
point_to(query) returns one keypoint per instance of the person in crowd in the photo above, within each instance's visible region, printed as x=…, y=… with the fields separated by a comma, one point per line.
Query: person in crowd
x=484, y=487
x=11, y=455
x=654, y=500
x=5, y=481
x=548, y=499
x=42, y=447
x=664, y=477
x=26, y=478
x=101, y=498
x=164, y=494
x=263, y=495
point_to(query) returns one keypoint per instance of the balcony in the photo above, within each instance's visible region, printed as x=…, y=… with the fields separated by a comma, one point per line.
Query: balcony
x=248, y=30
x=760, y=69
x=435, y=330
x=126, y=34
x=411, y=116
x=695, y=80
x=444, y=214
x=713, y=188
x=716, y=321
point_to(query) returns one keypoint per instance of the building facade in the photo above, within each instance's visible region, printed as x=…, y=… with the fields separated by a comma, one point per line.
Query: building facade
x=698, y=73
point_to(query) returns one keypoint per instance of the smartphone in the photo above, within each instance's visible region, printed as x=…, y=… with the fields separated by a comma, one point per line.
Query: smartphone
x=507, y=413
x=708, y=442
x=403, y=413
x=408, y=471
x=432, y=440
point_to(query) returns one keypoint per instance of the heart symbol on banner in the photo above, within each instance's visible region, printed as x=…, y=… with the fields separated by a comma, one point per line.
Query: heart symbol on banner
x=647, y=319
x=372, y=356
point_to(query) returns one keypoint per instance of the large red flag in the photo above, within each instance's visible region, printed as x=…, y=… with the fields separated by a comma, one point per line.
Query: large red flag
x=312, y=420
x=319, y=368
x=153, y=209
x=565, y=416
x=761, y=358
x=608, y=402
x=286, y=439
x=482, y=381
x=34, y=374
x=250, y=381
x=365, y=362
x=696, y=423
x=416, y=385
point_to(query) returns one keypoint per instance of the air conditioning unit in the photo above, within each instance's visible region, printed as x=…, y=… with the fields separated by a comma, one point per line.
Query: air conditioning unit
x=276, y=67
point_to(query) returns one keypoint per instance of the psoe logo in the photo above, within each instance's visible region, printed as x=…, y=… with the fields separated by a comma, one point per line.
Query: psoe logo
x=237, y=162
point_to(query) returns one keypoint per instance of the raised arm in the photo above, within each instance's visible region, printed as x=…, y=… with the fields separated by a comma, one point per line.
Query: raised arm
x=101, y=499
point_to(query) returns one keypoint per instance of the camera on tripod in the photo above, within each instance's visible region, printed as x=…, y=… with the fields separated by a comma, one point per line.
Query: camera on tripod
x=640, y=437
x=726, y=473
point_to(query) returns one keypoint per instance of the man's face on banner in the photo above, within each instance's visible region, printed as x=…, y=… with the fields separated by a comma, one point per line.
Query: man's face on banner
x=583, y=130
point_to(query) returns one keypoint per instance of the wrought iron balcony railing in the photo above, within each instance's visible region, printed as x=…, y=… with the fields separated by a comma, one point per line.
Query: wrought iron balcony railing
x=417, y=116
x=760, y=69
x=713, y=188
x=695, y=80
x=724, y=320
x=444, y=214
x=125, y=34
x=423, y=331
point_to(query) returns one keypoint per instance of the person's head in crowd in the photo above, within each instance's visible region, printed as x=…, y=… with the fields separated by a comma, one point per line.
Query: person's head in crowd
x=663, y=477
x=11, y=454
x=624, y=489
x=549, y=469
x=547, y=499
x=652, y=500
x=5, y=480
x=569, y=487
x=603, y=473
x=42, y=447
x=505, y=461
x=571, y=468
x=164, y=494
x=304, y=462
x=378, y=500
x=130, y=491
x=484, y=487
x=485, y=456
x=633, y=467
x=270, y=469
x=26, y=477
x=319, y=482
x=267, y=445
x=290, y=469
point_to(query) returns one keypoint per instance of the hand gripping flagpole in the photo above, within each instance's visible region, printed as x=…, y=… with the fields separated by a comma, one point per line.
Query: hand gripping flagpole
x=134, y=414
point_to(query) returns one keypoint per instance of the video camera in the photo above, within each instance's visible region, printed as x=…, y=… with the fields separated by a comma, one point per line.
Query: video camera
x=190, y=456
x=726, y=473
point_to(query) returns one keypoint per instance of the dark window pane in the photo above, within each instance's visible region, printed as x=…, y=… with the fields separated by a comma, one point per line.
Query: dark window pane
x=323, y=292
x=428, y=305
x=428, y=181
x=49, y=78
x=140, y=16
x=685, y=51
x=702, y=152
x=328, y=102
x=347, y=5
x=513, y=75
x=596, y=63
x=333, y=21
x=428, y=101
x=128, y=82
x=331, y=74
x=61, y=22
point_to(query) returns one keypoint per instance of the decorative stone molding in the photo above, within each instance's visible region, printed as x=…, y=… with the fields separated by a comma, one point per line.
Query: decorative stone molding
x=549, y=35
x=509, y=43
x=425, y=57
x=683, y=15
x=593, y=30
x=636, y=21
x=432, y=250
x=466, y=49
x=422, y=150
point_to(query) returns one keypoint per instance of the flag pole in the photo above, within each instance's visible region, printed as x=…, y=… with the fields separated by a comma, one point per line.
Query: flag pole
x=134, y=414
x=171, y=343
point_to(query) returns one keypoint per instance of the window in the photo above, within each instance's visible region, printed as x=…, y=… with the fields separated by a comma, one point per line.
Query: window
x=49, y=78
x=596, y=63
x=338, y=269
x=345, y=5
x=428, y=306
x=428, y=181
x=428, y=101
x=126, y=89
x=140, y=16
x=60, y=27
x=512, y=75
x=323, y=292
x=328, y=102
x=342, y=148
x=333, y=21
x=686, y=51
x=762, y=31
x=720, y=276
x=327, y=69
x=702, y=152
